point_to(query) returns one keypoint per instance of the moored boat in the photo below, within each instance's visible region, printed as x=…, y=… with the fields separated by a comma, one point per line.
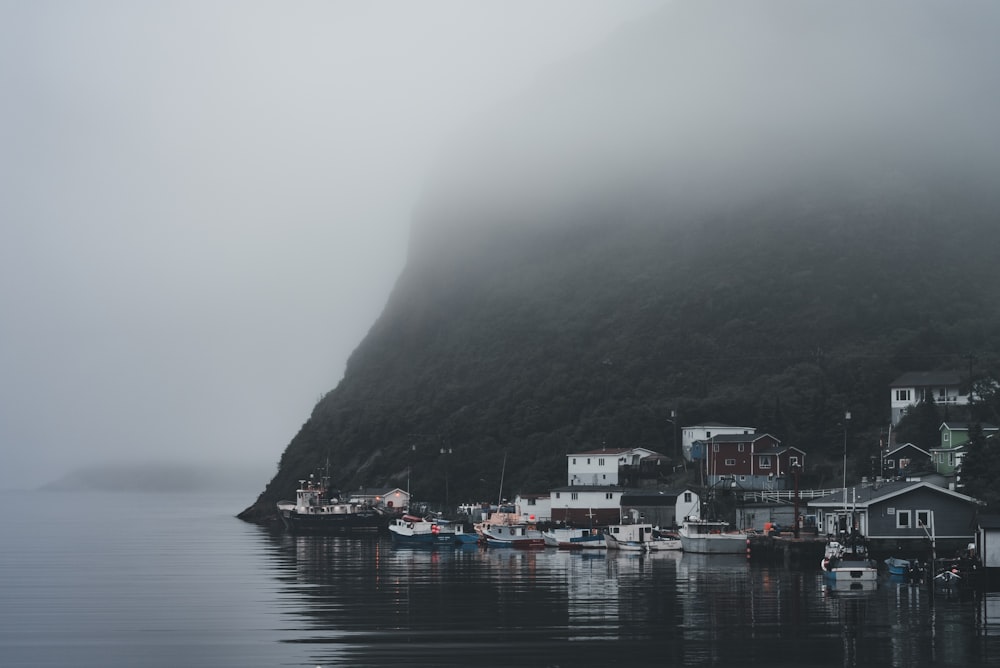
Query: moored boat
x=845, y=563
x=614, y=543
x=574, y=539
x=413, y=530
x=711, y=537
x=663, y=540
x=318, y=510
x=520, y=536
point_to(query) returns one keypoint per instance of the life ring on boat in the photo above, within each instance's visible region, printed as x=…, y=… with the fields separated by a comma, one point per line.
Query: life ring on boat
x=435, y=528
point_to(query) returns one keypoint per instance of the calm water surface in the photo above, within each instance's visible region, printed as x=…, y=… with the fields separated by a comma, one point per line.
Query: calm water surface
x=117, y=580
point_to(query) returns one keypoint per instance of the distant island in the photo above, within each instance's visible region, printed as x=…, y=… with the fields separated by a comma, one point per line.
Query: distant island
x=153, y=477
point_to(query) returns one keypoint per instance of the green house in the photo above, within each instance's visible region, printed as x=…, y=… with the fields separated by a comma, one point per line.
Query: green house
x=954, y=436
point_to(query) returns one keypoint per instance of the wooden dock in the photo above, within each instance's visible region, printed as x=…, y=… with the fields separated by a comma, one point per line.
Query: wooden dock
x=785, y=548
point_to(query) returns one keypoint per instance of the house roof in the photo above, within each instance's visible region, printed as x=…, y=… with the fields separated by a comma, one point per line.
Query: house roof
x=614, y=451
x=927, y=378
x=905, y=446
x=778, y=450
x=739, y=438
x=863, y=497
x=646, y=493
x=964, y=426
x=717, y=425
x=989, y=521
x=378, y=491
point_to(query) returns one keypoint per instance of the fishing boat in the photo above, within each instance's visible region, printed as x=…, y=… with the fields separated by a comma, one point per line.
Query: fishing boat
x=413, y=530
x=711, y=537
x=319, y=510
x=664, y=541
x=520, y=535
x=615, y=543
x=574, y=539
x=848, y=563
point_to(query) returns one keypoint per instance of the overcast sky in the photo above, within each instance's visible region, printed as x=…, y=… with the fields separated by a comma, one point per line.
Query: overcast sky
x=205, y=204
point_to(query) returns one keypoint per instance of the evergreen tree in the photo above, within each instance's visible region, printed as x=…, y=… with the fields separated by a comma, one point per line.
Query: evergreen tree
x=981, y=468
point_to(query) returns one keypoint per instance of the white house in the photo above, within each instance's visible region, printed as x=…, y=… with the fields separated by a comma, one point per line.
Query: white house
x=707, y=430
x=534, y=507
x=600, y=467
x=911, y=388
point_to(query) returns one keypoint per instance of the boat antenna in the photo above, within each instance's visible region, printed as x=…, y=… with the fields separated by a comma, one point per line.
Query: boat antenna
x=503, y=470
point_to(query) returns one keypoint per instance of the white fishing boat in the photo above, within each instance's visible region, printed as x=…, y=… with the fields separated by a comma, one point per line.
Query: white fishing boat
x=711, y=537
x=664, y=541
x=574, y=539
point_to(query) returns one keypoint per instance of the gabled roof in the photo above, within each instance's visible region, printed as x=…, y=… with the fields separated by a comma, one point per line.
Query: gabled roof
x=863, y=497
x=377, y=491
x=927, y=379
x=778, y=450
x=905, y=446
x=989, y=521
x=964, y=426
x=605, y=451
x=739, y=438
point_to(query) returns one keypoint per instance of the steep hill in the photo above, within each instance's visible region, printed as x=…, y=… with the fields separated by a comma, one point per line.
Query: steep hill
x=756, y=213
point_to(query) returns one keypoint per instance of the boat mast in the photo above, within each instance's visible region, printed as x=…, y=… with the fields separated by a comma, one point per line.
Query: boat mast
x=503, y=470
x=847, y=416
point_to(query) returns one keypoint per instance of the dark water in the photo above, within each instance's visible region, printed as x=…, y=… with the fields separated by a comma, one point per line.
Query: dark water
x=117, y=580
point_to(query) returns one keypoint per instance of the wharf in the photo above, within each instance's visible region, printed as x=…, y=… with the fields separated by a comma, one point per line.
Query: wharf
x=786, y=549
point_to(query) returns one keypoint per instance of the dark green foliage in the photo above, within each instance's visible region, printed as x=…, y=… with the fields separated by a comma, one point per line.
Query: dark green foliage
x=922, y=425
x=575, y=339
x=981, y=468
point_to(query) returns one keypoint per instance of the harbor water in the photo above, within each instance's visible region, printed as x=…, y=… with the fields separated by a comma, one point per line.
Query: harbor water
x=116, y=580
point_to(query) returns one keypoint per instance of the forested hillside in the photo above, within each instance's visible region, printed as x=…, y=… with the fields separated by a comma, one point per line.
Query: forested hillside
x=686, y=220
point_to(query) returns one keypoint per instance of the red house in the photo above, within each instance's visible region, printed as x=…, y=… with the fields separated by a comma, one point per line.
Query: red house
x=752, y=461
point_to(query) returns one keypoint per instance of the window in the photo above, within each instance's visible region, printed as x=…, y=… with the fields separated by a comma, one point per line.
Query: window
x=574, y=495
x=902, y=395
x=793, y=461
x=715, y=447
x=574, y=461
x=923, y=518
x=741, y=447
x=609, y=495
x=531, y=502
x=708, y=434
x=903, y=462
x=730, y=462
x=588, y=461
x=600, y=461
x=604, y=476
x=902, y=519
x=687, y=497
x=765, y=462
x=946, y=436
x=557, y=495
x=890, y=463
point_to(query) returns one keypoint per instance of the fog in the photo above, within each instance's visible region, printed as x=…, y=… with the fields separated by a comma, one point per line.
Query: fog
x=205, y=205
x=706, y=105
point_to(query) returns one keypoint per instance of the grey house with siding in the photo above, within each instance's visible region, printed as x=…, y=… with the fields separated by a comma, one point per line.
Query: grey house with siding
x=901, y=517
